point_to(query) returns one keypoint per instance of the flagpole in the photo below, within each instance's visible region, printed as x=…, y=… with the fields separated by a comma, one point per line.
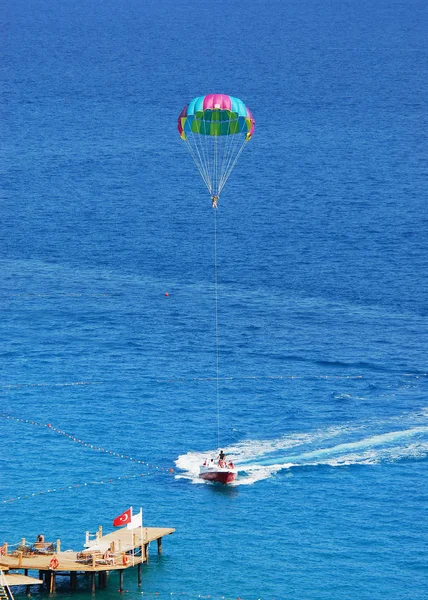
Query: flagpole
x=132, y=538
x=133, y=547
x=141, y=535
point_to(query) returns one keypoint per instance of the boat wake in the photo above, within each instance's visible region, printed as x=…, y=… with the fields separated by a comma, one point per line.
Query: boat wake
x=366, y=444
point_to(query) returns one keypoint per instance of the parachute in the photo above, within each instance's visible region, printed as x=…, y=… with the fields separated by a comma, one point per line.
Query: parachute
x=215, y=128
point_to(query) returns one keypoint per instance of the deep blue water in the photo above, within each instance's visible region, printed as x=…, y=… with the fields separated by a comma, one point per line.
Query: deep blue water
x=322, y=252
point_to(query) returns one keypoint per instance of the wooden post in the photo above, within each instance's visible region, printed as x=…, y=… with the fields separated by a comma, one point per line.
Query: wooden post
x=160, y=545
x=53, y=582
x=102, y=579
x=41, y=576
x=5, y=546
x=93, y=582
x=93, y=559
x=28, y=588
x=73, y=580
x=146, y=552
x=139, y=574
x=48, y=579
x=87, y=538
x=121, y=580
x=20, y=559
x=112, y=548
x=23, y=542
x=58, y=545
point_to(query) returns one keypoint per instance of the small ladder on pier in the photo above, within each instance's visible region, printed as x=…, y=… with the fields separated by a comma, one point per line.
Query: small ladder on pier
x=5, y=591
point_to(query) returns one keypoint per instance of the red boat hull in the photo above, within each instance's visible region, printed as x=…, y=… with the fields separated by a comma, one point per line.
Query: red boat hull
x=219, y=476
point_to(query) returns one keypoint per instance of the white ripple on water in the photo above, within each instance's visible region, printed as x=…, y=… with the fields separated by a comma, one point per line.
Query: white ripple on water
x=258, y=460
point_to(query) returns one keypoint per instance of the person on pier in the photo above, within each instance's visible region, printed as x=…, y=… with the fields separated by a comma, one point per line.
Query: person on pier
x=108, y=556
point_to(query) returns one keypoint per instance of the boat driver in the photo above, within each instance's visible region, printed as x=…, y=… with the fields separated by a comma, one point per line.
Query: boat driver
x=221, y=457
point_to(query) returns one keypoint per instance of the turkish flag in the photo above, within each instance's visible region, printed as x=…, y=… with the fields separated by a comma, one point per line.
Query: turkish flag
x=124, y=518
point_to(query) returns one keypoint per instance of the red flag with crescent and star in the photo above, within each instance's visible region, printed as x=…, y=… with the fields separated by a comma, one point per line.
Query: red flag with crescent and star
x=124, y=518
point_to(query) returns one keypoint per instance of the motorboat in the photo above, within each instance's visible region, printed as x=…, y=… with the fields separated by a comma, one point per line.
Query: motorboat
x=219, y=471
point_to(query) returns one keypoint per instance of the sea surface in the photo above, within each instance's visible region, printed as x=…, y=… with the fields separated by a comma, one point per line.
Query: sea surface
x=107, y=329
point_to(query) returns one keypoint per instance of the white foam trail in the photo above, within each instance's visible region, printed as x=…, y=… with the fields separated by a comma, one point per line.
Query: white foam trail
x=376, y=440
x=248, y=451
x=261, y=459
x=190, y=463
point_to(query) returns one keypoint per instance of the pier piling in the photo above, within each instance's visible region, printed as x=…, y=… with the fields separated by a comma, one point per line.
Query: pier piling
x=73, y=580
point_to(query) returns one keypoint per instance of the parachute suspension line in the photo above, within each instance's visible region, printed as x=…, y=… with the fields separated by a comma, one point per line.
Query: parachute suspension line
x=227, y=141
x=208, y=160
x=201, y=143
x=215, y=156
x=203, y=158
x=216, y=328
x=211, y=150
x=228, y=158
x=230, y=169
x=230, y=141
x=233, y=155
x=199, y=163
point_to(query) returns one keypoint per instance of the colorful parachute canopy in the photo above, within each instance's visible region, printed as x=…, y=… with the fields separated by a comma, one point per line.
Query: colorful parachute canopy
x=215, y=128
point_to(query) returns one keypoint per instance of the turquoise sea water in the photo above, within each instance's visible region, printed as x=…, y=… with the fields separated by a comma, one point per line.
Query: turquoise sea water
x=322, y=249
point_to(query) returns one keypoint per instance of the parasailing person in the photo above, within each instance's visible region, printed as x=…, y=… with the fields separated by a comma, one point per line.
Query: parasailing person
x=216, y=128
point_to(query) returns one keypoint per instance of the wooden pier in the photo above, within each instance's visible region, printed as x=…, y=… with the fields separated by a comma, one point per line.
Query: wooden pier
x=117, y=551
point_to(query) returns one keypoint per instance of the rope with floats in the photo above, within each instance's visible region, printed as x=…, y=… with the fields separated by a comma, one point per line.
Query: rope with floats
x=75, y=439
x=188, y=379
x=50, y=384
x=75, y=486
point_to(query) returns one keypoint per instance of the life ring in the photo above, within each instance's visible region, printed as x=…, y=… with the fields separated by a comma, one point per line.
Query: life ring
x=54, y=564
x=125, y=559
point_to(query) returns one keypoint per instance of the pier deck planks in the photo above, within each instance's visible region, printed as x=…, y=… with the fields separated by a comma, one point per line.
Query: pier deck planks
x=125, y=540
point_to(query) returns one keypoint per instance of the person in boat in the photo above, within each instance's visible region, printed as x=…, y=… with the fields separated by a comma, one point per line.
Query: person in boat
x=40, y=538
x=214, y=200
x=222, y=459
